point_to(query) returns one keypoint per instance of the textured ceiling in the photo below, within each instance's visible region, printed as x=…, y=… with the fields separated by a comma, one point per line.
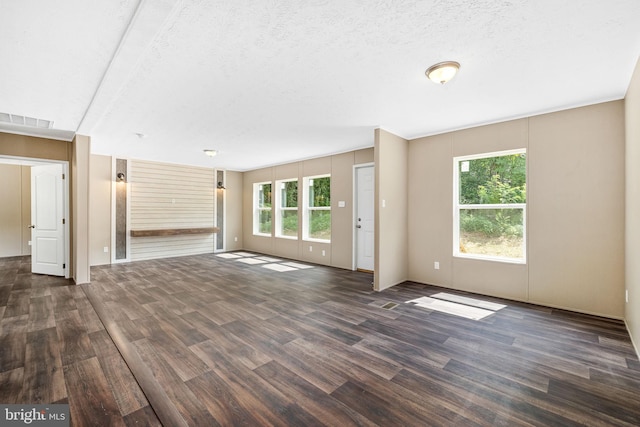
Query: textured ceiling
x=268, y=81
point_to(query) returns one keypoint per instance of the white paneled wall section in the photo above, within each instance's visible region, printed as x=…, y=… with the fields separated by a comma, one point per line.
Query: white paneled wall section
x=165, y=196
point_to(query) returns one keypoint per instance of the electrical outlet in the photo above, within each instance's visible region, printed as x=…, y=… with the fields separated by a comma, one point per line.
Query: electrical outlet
x=323, y=253
x=235, y=239
x=310, y=248
x=626, y=295
x=29, y=243
x=436, y=265
x=105, y=249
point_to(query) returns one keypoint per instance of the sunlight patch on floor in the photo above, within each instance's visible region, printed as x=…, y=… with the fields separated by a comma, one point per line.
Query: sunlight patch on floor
x=279, y=267
x=228, y=256
x=273, y=264
x=251, y=261
x=296, y=265
x=457, y=305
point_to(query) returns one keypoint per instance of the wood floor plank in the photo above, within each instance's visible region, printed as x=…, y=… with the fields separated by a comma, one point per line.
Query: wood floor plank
x=41, y=315
x=378, y=410
x=126, y=391
x=75, y=344
x=11, y=386
x=177, y=391
x=90, y=398
x=142, y=417
x=17, y=303
x=220, y=401
x=327, y=410
x=264, y=401
x=44, y=380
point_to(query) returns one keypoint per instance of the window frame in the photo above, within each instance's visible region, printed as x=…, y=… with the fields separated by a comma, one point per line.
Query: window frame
x=457, y=207
x=306, y=209
x=281, y=209
x=257, y=209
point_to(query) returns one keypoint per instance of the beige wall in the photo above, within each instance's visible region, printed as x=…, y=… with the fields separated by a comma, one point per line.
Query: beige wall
x=15, y=210
x=575, y=210
x=32, y=147
x=26, y=209
x=100, y=209
x=632, y=197
x=80, y=176
x=391, y=210
x=233, y=206
x=338, y=253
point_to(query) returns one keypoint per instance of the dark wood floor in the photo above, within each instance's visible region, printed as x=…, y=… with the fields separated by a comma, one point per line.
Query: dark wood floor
x=226, y=343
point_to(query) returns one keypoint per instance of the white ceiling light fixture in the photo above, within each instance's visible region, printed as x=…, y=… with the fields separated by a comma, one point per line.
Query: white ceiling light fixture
x=442, y=72
x=210, y=153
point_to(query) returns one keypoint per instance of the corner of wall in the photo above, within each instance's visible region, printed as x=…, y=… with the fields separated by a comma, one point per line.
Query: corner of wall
x=632, y=208
x=391, y=154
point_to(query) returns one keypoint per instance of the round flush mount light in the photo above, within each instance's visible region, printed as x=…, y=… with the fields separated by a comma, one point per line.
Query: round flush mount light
x=210, y=153
x=442, y=72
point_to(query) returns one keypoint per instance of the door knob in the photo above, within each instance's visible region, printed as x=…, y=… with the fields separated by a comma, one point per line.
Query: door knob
x=31, y=226
x=358, y=226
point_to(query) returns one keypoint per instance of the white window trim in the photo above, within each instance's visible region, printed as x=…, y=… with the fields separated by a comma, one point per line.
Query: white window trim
x=257, y=209
x=457, y=206
x=280, y=209
x=306, y=209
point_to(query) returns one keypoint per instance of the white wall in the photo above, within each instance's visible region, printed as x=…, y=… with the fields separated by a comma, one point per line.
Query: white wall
x=168, y=196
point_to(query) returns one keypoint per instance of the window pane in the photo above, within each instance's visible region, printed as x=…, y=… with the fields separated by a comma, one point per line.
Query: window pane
x=492, y=232
x=493, y=180
x=264, y=222
x=320, y=192
x=289, y=194
x=264, y=196
x=289, y=223
x=320, y=225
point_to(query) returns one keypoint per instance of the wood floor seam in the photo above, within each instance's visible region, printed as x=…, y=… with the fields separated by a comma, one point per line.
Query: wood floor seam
x=160, y=403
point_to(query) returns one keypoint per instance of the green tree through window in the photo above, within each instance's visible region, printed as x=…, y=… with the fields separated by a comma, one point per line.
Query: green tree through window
x=491, y=206
x=287, y=213
x=317, y=224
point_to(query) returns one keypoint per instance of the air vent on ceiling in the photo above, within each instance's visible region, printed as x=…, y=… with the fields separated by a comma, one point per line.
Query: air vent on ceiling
x=25, y=121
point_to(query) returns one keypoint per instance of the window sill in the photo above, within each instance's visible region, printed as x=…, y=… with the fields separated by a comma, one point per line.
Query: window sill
x=316, y=240
x=492, y=259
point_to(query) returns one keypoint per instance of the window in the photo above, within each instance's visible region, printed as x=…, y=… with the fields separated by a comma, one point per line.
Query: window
x=262, y=208
x=490, y=195
x=317, y=208
x=287, y=209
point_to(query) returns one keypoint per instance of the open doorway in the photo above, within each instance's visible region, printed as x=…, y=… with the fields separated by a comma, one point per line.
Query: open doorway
x=35, y=213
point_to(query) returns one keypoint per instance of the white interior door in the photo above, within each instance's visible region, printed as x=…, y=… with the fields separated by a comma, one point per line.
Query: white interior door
x=47, y=220
x=364, y=218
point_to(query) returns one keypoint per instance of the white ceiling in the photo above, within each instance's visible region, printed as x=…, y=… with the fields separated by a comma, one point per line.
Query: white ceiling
x=272, y=81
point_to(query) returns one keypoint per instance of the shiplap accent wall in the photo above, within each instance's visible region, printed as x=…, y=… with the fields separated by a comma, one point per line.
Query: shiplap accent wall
x=165, y=196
